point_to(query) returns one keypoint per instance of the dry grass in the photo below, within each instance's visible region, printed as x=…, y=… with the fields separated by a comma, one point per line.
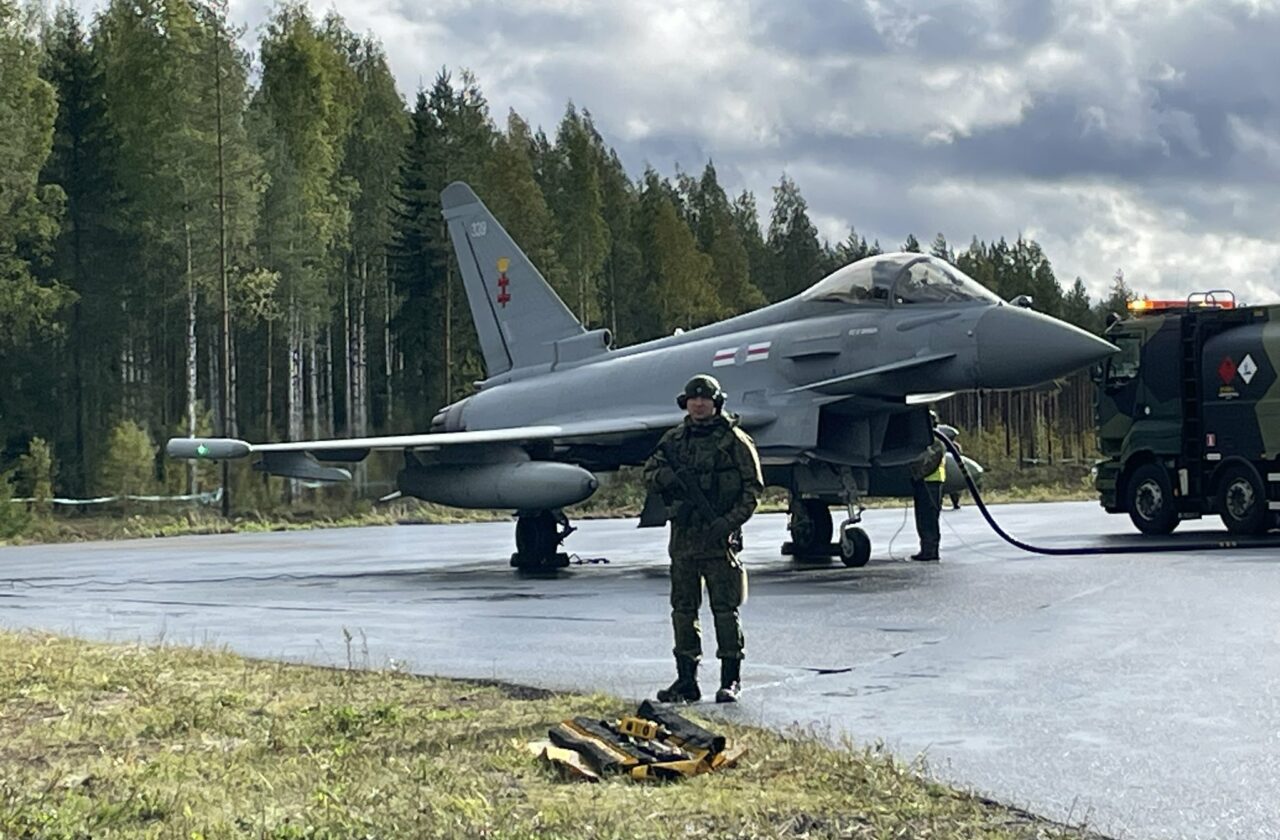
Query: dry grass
x=135, y=741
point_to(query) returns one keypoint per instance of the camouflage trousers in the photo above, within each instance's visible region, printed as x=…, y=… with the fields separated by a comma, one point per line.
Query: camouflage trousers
x=726, y=587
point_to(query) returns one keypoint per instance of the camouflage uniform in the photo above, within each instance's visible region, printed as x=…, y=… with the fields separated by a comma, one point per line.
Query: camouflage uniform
x=722, y=460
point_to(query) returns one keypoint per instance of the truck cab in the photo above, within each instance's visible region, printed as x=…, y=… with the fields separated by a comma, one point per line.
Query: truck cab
x=1188, y=415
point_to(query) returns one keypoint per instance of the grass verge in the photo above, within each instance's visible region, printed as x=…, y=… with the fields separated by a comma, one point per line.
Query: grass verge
x=136, y=741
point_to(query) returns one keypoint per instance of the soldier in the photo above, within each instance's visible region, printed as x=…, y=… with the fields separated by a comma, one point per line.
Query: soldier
x=707, y=471
x=927, y=474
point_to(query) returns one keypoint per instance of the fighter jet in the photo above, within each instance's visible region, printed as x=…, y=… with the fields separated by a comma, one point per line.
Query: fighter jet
x=827, y=383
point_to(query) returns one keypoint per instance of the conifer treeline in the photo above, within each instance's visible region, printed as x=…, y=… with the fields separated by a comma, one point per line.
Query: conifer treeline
x=143, y=175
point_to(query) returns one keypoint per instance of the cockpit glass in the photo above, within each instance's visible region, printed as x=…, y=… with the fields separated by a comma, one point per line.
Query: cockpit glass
x=932, y=280
x=902, y=278
x=865, y=281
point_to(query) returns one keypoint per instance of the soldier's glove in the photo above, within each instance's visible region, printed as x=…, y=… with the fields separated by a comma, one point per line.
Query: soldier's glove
x=665, y=480
x=720, y=529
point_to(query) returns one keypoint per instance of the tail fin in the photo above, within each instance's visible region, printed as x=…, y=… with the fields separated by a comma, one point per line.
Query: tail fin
x=518, y=316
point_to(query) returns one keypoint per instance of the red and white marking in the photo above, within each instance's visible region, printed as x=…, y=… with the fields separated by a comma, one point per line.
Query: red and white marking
x=724, y=357
x=758, y=352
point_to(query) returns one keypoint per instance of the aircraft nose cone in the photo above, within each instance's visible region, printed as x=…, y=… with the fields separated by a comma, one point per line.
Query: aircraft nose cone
x=1018, y=348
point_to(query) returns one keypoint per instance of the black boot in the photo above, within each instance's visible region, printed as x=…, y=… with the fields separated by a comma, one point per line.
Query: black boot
x=685, y=688
x=730, y=671
x=928, y=554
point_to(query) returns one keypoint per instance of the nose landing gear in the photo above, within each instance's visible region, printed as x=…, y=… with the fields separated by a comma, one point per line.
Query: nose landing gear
x=811, y=528
x=855, y=545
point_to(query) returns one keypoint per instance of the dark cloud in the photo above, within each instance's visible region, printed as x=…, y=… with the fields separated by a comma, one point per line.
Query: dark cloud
x=955, y=30
x=529, y=27
x=815, y=28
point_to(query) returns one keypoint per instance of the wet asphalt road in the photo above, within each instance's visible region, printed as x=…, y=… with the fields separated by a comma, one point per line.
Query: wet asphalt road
x=1139, y=692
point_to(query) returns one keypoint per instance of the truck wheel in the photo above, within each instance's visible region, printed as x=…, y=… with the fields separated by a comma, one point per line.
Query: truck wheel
x=1242, y=501
x=1150, y=500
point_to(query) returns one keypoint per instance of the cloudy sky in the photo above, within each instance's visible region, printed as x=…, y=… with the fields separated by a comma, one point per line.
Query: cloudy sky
x=1141, y=135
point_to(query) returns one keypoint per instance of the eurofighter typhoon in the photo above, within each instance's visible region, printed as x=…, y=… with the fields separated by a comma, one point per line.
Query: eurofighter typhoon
x=828, y=383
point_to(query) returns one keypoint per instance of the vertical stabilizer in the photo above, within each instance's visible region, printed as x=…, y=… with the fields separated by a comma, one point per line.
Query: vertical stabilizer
x=518, y=316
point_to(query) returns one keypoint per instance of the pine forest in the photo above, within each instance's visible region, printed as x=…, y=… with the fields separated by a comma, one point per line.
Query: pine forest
x=181, y=219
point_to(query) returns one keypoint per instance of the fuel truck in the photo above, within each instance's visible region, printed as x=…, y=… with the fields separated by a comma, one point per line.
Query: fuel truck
x=1188, y=414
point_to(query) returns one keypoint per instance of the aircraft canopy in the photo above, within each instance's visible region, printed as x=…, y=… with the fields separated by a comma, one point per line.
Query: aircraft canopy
x=901, y=278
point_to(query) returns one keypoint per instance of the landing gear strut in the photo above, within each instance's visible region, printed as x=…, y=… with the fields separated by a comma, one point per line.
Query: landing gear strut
x=810, y=527
x=538, y=538
x=855, y=545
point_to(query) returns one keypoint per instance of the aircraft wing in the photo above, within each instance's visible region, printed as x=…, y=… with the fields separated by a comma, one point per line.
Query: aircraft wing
x=354, y=449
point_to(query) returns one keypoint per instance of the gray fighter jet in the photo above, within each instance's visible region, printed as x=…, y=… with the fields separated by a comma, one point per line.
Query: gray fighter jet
x=829, y=383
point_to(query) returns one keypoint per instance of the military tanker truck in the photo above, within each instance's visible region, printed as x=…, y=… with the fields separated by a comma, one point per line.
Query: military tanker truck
x=1188, y=414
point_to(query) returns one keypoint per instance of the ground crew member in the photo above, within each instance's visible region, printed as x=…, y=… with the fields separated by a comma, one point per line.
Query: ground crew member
x=927, y=474
x=952, y=433
x=708, y=473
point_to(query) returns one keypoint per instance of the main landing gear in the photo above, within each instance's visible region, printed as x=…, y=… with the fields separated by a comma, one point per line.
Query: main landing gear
x=538, y=538
x=811, y=531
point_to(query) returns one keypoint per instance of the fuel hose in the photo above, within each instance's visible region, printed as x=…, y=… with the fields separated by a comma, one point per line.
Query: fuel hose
x=1207, y=544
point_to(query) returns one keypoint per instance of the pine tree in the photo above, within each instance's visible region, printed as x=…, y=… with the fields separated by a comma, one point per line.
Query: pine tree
x=685, y=293
x=1118, y=300
x=29, y=212
x=1043, y=284
x=761, y=261
x=513, y=195
x=638, y=317
x=718, y=236
x=371, y=163
x=417, y=273
x=793, y=241
x=91, y=254
x=304, y=113
x=174, y=83
x=940, y=249
x=579, y=208
x=622, y=264
x=852, y=249
x=1077, y=308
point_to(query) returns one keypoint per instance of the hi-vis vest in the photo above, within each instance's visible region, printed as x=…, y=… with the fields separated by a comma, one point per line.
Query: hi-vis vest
x=940, y=474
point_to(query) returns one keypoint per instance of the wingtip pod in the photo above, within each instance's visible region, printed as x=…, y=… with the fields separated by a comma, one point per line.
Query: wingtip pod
x=457, y=194
x=216, y=449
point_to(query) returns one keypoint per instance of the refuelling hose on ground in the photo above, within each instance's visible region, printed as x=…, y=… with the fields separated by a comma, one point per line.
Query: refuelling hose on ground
x=1209, y=544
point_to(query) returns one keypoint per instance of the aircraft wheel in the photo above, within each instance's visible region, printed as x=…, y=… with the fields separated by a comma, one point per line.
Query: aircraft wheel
x=1150, y=500
x=1242, y=501
x=810, y=528
x=855, y=546
x=535, y=542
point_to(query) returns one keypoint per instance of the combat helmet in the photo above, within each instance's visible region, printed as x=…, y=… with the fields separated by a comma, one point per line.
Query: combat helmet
x=702, y=385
